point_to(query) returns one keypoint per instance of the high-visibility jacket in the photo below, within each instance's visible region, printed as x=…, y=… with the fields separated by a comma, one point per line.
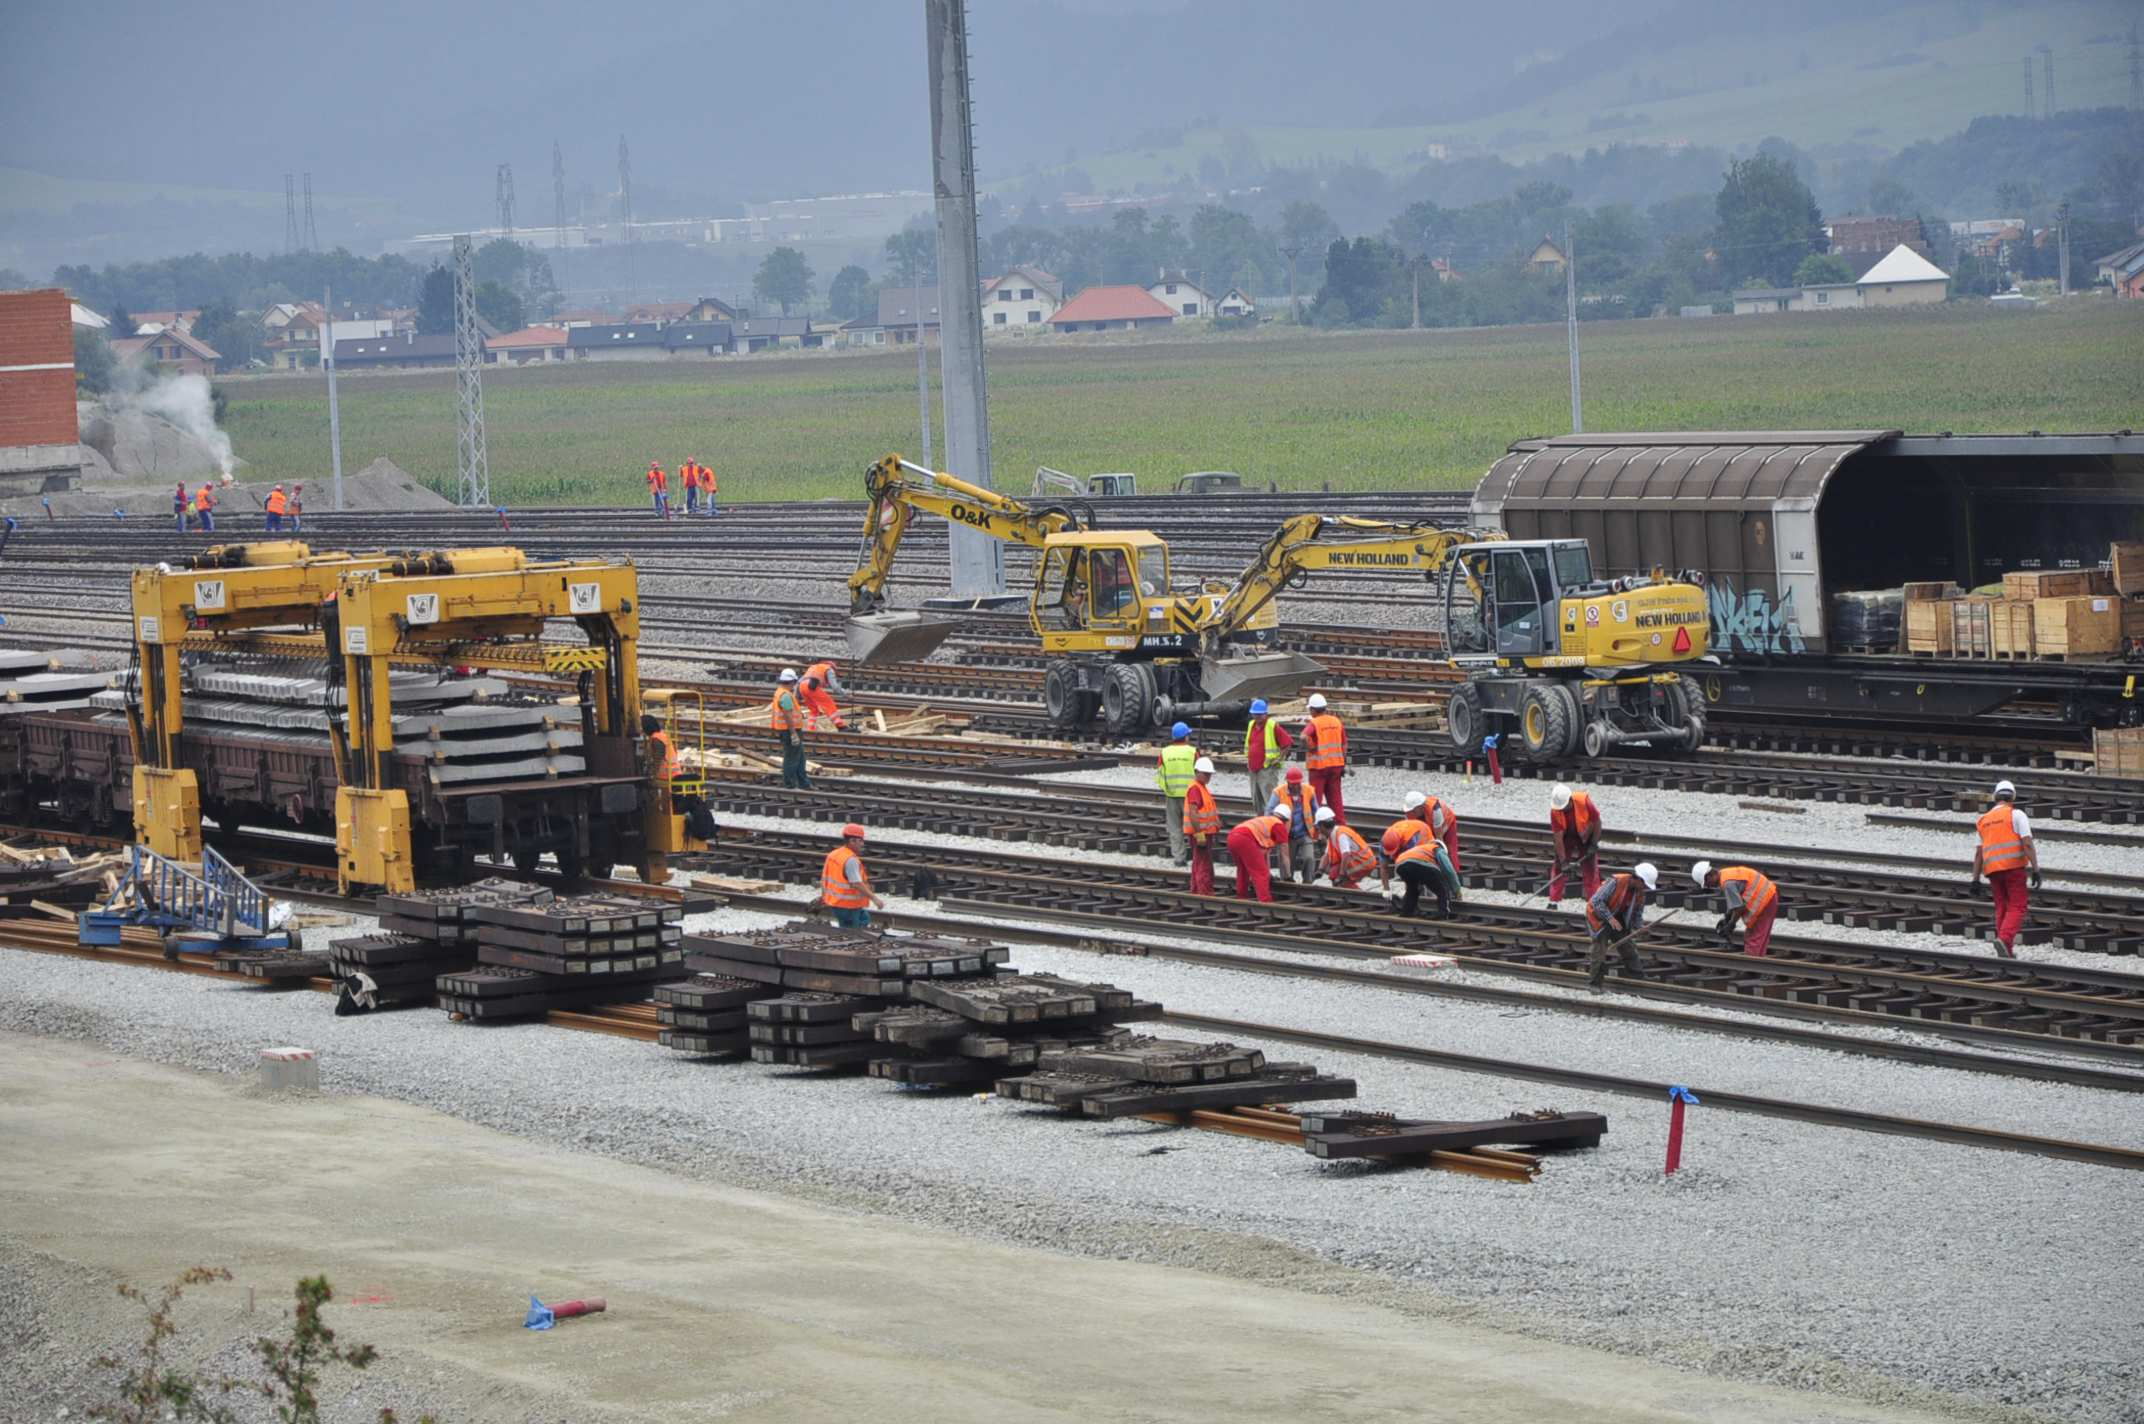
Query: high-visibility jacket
x=1401, y=834
x=1758, y=891
x=1268, y=831
x=1264, y=731
x=1348, y=856
x=1303, y=803
x=784, y=715
x=707, y=479
x=834, y=886
x=666, y=755
x=1174, y=768
x=1434, y=811
x=657, y=480
x=1576, y=823
x=206, y=499
x=1624, y=892
x=1422, y=850
x=2000, y=846
x=819, y=674
x=1202, y=815
x=1324, y=743
x=277, y=502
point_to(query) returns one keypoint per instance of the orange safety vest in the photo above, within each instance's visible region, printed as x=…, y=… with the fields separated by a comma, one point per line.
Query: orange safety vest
x=707, y=479
x=834, y=886
x=277, y=502
x=669, y=764
x=1430, y=808
x=1402, y=834
x=205, y=499
x=1324, y=743
x=1268, y=831
x=1202, y=816
x=2000, y=847
x=1420, y=851
x=785, y=719
x=1758, y=891
x=1578, y=821
x=657, y=479
x=1621, y=890
x=1286, y=803
x=1347, y=855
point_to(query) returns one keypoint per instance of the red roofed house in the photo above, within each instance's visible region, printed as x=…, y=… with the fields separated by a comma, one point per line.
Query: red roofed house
x=529, y=345
x=1111, y=309
x=169, y=350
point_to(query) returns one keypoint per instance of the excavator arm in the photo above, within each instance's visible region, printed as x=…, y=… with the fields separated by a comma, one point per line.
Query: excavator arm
x=1309, y=543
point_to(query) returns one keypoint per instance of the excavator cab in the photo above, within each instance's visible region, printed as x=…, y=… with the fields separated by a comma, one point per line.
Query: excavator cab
x=1501, y=599
x=1099, y=589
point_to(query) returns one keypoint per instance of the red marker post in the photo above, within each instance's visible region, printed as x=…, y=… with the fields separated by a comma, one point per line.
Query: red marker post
x=1496, y=769
x=1678, y=1095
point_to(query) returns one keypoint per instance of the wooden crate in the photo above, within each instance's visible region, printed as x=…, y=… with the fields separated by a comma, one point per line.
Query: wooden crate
x=2047, y=583
x=2118, y=751
x=2132, y=619
x=2128, y=560
x=2010, y=628
x=1936, y=592
x=1928, y=626
x=1971, y=628
x=2076, y=627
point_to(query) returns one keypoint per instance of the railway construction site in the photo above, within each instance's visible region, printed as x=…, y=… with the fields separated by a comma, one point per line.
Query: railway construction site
x=526, y=834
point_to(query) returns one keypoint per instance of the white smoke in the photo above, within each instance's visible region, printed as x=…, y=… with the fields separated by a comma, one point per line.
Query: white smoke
x=184, y=401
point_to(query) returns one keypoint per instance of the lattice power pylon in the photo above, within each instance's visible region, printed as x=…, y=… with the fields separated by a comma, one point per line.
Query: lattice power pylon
x=503, y=198
x=312, y=233
x=473, y=488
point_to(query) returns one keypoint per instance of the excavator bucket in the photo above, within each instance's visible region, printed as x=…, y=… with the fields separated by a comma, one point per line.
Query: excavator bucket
x=897, y=637
x=1249, y=675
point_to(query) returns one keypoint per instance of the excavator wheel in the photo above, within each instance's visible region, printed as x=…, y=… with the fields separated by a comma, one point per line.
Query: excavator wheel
x=1692, y=699
x=1464, y=719
x=1547, y=722
x=1127, y=699
x=1067, y=706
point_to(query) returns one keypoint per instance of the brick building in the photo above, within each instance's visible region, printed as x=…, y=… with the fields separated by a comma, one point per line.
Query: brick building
x=40, y=444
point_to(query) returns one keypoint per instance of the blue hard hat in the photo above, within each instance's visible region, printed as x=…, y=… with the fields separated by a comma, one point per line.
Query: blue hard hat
x=1180, y=730
x=1258, y=707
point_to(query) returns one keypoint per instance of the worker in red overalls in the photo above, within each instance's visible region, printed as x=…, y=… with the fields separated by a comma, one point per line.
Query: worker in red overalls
x=1574, y=824
x=1202, y=824
x=1751, y=898
x=2008, y=858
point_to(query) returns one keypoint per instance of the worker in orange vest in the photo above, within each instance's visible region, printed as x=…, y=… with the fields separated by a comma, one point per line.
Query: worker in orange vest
x=205, y=508
x=1298, y=805
x=844, y=883
x=699, y=819
x=1443, y=823
x=1249, y=844
x=297, y=507
x=273, y=507
x=1325, y=753
x=709, y=487
x=1422, y=866
x=659, y=489
x=1613, y=918
x=1348, y=857
x=1410, y=829
x=787, y=716
x=2008, y=858
x=1574, y=825
x=817, y=690
x=1202, y=824
x=688, y=475
x=1751, y=898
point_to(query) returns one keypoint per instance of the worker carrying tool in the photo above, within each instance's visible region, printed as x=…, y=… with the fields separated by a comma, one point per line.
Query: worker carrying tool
x=1325, y=754
x=1348, y=857
x=844, y=883
x=1265, y=746
x=205, y=508
x=659, y=490
x=273, y=509
x=1614, y=915
x=1574, y=825
x=787, y=716
x=1298, y=805
x=699, y=818
x=1202, y=824
x=1751, y=898
x=817, y=688
x=1173, y=771
x=688, y=475
x=2008, y=858
x=1249, y=845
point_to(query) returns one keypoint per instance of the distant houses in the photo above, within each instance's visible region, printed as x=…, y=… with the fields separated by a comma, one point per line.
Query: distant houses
x=1901, y=277
x=169, y=348
x=1112, y=309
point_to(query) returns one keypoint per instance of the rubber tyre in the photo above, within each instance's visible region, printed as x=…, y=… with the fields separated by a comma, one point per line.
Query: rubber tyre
x=1544, y=721
x=1464, y=719
x=1061, y=696
x=1573, y=743
x=1693, y=711
x=1127, y=696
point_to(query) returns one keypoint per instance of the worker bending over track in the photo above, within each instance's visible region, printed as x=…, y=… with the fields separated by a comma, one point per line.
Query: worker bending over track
x=1173, y=770
x=1265, y=747
x=1249, y=843
x=2008, y=858
x=1614, y=916
x=844, y=883
x=1298, y=805
x=1409, y=829
x=1751, y=898
x=1425, y=866
x=787, y=716
x=1202, y=824
x=1348, y=857
x=820, y=682
x=1325, y=753
x=1574, y=824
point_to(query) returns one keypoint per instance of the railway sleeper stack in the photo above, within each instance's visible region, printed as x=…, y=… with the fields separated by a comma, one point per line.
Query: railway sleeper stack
x=423, y=936
x=33, y=682
x=705, y=1014
x=564, y=953
x=1335, y=1136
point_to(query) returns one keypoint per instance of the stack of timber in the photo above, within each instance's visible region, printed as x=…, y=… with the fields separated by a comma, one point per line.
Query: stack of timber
x=973, y=1031
x=1132, y=1075
x=1335, y=1136
x=2118, y=751
x=568, y=953
x=423, y=936
x=52, y=881
x=705, y=1015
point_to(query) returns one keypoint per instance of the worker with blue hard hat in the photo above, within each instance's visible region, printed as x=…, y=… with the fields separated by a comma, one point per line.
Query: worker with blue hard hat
x=1173, y=771
x=1265, y=747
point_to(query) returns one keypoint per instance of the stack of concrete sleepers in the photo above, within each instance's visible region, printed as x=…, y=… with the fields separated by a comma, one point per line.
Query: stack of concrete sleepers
x=705, y=1015
x=567, y=953
x=423, y=936
x=1128, y=1075
x=31, y=682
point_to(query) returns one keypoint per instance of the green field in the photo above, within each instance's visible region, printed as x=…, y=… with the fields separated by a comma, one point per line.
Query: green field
x=1400, y=409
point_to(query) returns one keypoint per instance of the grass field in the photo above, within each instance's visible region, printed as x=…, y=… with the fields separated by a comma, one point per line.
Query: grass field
x=1366, y=410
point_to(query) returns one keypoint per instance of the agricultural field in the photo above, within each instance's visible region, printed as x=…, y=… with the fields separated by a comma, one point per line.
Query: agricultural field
x=1299, y=409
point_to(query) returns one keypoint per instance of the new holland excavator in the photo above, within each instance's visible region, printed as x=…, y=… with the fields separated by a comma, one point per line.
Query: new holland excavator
x=1563, y=660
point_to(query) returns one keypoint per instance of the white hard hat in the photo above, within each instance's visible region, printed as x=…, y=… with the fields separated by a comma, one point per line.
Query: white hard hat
x=1317, y=702
x=1414, y=799
x=1560, y=797
x=1325, y=813
x=1699, y=871
x=2005, y=788
x=788, y=675
x=1646, y=871
x=1204, y=764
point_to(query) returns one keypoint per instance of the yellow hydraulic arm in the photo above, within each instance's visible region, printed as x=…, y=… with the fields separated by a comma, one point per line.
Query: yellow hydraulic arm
x=226, y=589
x=1309, y=543
x=898, y=488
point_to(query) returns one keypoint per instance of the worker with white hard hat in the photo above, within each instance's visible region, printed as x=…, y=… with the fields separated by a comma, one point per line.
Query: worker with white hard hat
x=1410, y=829
x=1173, y=773
x=1751, y=898
x=1574, y=828
x=1614, y=916
x=1325, y=755
x=1265, y=747
x=1202, y=824
x=1349, y=858
x=788, y=717
x=2008, y=858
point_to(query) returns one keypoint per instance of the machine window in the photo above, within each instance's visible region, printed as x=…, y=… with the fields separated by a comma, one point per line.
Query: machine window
x=1574, y=565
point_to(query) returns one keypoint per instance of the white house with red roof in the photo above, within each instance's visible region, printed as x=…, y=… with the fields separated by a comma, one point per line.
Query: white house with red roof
x=1024, y=296
x=1111, y=309
x=1181, y=295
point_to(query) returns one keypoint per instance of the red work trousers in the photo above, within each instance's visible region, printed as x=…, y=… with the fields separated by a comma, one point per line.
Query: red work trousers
x=1252, y=873
x=1757, y=936
x=1451, y=846
x=1589, y=874
x=1327, y=784
x=1202, y=870
x=2010, y=903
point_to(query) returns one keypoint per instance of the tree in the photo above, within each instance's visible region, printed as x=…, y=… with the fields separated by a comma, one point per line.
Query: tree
x=1768, y=220
x=1820, y=268
x=499, y=305
x=784, y=278
x=2121, y=184
x=122, y=324
x=912, y=255
x=1362, y=278
x=1890, y=198
x=435, y=303
x=93, y=361
x=850, y=295
x=11, y=280
x=234, y=335
x=1611, y=243
x=2017, y=197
